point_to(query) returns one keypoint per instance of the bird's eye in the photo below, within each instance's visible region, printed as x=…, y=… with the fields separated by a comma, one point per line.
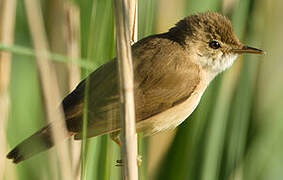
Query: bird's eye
x=214, y=44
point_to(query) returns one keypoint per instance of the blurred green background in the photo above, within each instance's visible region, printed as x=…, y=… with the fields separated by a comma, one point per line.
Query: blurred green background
x=235, y=133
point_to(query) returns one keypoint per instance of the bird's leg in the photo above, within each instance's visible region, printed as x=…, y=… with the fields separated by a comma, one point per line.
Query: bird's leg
x=115, y=136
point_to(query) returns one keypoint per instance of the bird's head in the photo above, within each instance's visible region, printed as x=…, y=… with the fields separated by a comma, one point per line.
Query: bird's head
x=210, y=38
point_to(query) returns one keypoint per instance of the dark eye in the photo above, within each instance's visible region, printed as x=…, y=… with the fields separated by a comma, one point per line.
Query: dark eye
x=214, y=44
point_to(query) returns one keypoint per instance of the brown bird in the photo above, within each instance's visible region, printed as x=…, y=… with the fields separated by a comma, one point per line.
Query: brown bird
x=171, y=72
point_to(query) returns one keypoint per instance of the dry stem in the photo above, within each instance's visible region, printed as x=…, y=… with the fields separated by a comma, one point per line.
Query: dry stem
x=50, y=85
x=73, y=51
x=7, y=22
x=123, y=21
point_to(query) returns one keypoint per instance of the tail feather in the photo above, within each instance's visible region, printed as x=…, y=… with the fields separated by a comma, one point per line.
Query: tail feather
x=38, y=142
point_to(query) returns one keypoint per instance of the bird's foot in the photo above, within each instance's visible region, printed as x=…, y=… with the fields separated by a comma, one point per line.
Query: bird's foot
x=120, y=163
x=139, y=160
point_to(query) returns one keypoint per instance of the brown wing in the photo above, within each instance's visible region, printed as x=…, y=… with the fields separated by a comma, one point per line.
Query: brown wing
x=164, y=77
x=102, y=102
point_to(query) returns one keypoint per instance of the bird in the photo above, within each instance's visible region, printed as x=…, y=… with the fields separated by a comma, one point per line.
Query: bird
x=171, y=72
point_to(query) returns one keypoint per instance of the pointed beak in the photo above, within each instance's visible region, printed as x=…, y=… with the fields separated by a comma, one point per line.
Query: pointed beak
x=247, y=49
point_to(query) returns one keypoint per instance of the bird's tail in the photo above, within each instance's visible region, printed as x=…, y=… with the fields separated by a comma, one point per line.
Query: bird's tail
x=38, y=142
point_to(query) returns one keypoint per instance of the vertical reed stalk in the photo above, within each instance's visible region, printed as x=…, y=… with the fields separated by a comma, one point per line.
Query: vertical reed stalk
x=73, y=52
x=50, y=85
x=7, y=22
x=124, y=22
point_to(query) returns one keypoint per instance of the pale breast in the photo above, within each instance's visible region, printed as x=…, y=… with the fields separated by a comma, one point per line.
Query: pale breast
x=172, y=117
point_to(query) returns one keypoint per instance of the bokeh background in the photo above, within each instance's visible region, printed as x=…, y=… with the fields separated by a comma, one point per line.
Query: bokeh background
x=235, y=133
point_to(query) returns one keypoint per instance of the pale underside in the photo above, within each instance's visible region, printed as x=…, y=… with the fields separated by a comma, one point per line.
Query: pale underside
x=168, y=87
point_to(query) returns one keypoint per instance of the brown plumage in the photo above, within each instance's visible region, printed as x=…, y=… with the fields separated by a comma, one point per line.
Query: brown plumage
x=171, y=72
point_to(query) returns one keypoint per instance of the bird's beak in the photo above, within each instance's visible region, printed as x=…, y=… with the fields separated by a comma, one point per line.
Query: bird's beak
x=247, y=49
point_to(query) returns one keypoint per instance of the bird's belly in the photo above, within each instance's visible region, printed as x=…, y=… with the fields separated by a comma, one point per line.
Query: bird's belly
x=172, y=117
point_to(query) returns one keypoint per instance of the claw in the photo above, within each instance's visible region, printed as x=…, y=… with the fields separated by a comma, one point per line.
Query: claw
x=139, y=160
x=120, y=163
